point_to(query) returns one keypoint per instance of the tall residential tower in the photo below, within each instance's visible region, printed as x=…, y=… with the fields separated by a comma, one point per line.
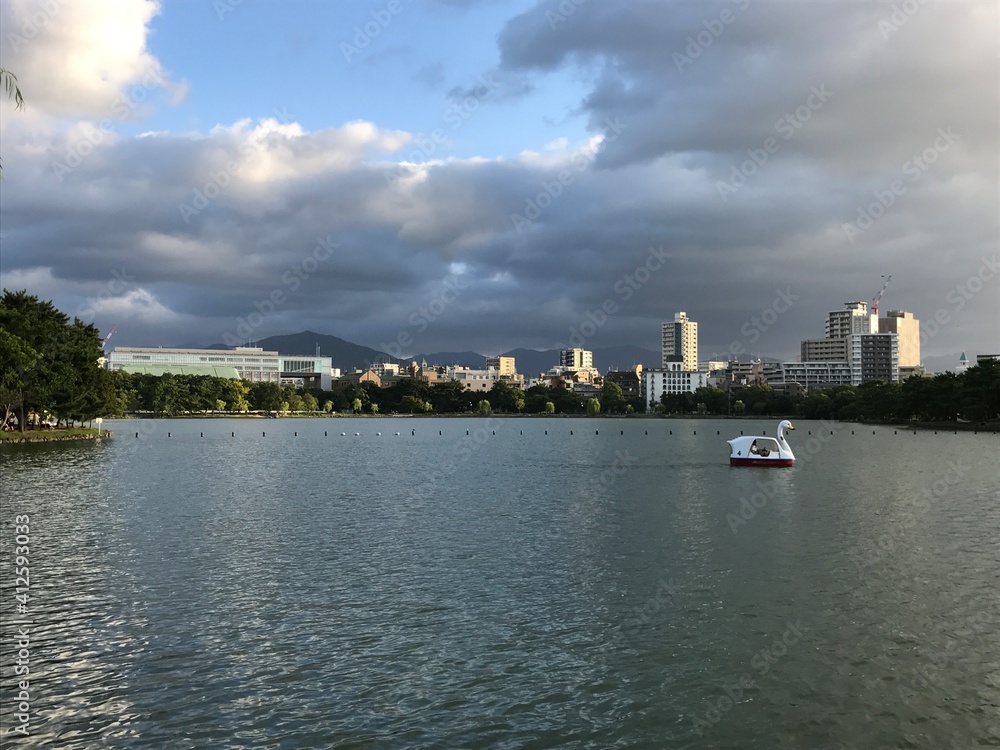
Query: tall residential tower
x=680, y=342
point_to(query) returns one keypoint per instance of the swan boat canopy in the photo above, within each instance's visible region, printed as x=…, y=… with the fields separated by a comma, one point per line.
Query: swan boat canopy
x=758, y=450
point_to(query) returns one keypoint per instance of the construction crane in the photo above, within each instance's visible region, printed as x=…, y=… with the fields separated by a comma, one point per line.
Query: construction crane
x=105, y=342
x=879, y=295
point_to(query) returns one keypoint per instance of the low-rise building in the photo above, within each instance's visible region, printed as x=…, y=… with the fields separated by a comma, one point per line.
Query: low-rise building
x=810, y=376
x=251, y=362
x=357, y=378
x=630, y=381
x=824, y=350
x=671, y=379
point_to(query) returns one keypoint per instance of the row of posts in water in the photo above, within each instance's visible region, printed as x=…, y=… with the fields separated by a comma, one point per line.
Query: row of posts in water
x=521, y=432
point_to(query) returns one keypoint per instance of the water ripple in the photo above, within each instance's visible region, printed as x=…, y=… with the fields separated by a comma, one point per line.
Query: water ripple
x=285, y=592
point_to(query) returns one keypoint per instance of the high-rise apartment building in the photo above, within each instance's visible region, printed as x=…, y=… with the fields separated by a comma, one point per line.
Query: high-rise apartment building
x=907, y=328
x=680, y=342
x=874, y=356
x=505, y=365
x=824, y=350
x=855, y=318
x=576, y=359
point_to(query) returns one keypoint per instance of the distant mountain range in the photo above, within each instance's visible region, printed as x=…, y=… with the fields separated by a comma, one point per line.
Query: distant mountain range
x=531, y=362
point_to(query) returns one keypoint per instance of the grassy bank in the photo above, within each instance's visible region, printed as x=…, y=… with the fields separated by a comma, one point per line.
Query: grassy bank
x=51, y=436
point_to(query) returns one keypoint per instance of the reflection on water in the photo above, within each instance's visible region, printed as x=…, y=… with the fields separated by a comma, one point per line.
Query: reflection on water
x=529, y=588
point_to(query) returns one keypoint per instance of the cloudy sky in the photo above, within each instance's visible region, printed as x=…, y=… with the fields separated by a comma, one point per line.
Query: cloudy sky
x=454, y=174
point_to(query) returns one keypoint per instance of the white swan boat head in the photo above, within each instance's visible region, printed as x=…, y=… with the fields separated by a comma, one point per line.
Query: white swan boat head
x=760, y=450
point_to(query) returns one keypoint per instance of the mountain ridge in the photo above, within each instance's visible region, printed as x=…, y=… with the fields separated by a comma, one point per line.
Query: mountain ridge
x=348, y=355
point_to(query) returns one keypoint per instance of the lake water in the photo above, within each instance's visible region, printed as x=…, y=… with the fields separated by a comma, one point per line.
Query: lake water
x=254, y=588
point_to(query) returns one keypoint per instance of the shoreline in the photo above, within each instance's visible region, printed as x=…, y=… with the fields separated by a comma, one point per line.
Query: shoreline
x=53, y=436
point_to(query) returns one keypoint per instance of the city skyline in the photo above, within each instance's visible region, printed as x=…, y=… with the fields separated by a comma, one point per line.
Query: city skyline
x=495, y=175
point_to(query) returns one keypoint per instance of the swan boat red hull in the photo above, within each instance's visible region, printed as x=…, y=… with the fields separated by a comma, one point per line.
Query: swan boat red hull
x=745, y=461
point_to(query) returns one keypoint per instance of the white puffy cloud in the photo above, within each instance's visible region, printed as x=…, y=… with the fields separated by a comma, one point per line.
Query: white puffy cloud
x=79, y=58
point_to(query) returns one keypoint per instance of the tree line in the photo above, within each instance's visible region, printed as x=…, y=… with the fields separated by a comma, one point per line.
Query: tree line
x=173, y=395
x=49, y=366
x=973, y=395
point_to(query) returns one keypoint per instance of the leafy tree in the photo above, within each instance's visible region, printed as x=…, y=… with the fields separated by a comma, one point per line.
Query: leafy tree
x=412, y=404
x=612, y=398
x=65, y=378
x=309, y=402
x=449, y=397
x=9, y=81
x=566, y=401
x=484, y=408
x=356, y=405
x=818, y=406
x=536, y=397
x=265, y=396
x=171, y=396
x=17, y=358
x=235, y=393
x=505, y=397
x=758, y=399
x=328, y=406
x=593, y=407
x=373, y=407
x=677, y=403
x=714, y=399
x=739, y=407
x=550, y=408
x=981, y=390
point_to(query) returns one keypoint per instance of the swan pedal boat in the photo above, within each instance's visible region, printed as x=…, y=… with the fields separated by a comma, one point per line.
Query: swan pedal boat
x=760, y=450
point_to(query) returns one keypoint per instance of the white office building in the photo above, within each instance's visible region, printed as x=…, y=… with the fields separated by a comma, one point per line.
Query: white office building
x=811, y=375
x=252, y=363
x=671, y=379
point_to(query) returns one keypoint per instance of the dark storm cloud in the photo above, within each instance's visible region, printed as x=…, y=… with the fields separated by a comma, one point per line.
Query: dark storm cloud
x=804, y=118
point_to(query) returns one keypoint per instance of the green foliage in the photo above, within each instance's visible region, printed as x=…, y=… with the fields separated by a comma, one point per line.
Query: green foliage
x=677, y=403
x=593, y=407
x=483, y=407
x=714, y=400
x=50, y=362
x=550, y=408
x=266, y=396
x=9, y=81
x=415, y=405
x=450, y=397
x=612, y=398
x=973, y=395
x=505, y=397
x=17, y=358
